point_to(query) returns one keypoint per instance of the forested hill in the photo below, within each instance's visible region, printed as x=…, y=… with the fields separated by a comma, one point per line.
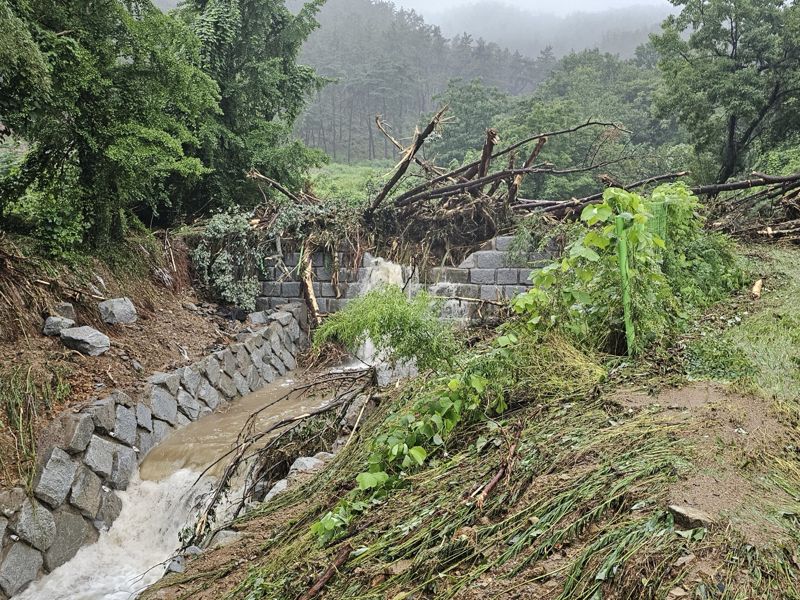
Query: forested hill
x=618, y=31
x=385, y=60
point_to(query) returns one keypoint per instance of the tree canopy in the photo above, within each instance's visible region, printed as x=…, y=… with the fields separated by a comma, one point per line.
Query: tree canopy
x=731, y=74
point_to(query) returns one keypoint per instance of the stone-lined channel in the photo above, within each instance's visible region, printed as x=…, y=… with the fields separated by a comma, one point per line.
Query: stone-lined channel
x=160, y=501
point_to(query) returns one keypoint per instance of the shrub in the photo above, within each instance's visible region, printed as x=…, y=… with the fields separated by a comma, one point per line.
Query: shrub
x=675, y=267
x=401, y=327
x=228, y=259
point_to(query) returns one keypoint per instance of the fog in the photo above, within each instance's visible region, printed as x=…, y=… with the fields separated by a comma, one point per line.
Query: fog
x=556, y=7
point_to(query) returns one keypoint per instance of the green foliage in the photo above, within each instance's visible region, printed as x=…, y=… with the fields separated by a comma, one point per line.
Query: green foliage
x=713, y=358
x=355, y=183
x=581, y=294
x=401, y=328
x=127, y=111
x=228, y=259
x=249, y=47
x=126, y=95
x=731, y=70
x=473, y=106
x=58, y=227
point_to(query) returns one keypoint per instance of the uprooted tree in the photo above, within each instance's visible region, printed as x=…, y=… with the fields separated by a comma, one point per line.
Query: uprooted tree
x=449, y=212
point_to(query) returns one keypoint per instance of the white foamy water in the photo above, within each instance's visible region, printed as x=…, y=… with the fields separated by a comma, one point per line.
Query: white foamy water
x=134, y=552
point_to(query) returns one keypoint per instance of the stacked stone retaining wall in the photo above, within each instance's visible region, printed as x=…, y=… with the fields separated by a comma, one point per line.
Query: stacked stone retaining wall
x=487, y=276
x=97, y=450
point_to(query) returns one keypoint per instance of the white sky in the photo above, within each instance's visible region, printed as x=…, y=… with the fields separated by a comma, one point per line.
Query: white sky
x=560, y=7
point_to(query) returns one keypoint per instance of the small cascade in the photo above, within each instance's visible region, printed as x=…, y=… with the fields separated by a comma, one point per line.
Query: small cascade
x=132, y=554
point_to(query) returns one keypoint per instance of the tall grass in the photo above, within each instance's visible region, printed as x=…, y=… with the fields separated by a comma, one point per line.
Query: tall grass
x=27, y=395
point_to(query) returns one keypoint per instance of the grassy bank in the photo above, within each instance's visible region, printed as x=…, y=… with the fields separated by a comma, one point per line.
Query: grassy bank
x=587, y=475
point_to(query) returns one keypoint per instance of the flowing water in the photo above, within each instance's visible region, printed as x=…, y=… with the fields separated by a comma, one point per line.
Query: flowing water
x=160, y=502
x=162, y=499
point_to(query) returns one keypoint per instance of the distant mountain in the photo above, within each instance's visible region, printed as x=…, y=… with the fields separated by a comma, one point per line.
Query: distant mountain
x=618, y=31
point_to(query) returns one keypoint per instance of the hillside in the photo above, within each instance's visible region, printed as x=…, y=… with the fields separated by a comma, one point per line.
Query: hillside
x=618, y=31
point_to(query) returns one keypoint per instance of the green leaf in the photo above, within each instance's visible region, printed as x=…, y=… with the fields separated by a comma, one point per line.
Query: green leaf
x=418, y=453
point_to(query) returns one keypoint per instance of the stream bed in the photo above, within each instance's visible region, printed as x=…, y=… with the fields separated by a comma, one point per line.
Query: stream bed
x=160, y=501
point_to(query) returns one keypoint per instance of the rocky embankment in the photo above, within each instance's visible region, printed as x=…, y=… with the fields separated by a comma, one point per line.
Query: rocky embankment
x=95, y=450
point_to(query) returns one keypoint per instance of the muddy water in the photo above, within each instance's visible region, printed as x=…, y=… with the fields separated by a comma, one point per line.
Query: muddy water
x=201, y=443
x=160, y=502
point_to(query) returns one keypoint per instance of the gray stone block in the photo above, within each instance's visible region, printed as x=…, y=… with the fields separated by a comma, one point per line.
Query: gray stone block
x=99, y=456
x=191, y=378
x=318, y=259
x=144, y=416
x=170, y=381
x=292, y=259
x=110, y=507
x=270, y=288
x=212, y=370
x=118, y=311
x=504, y=243
x=254, y=381
x=276, y=302
x=240, y=381
x=227, y=387
x=450, y=275
x=21, y=566
x=282, y=317
x=277, y=364
x=78, y=429
x=267, y=372
x=162, y=404
x=488, y=259
x=104, y=414
x=209, y=394
x=66, y=310
x=254, y=342
x=290, y=290
x=125, y=427
x=161, y=429
x=227, y=361
x=72, y=533
x=188, y=405
x=55, y=325
x=144, y=442
x=322, y=304
x=525, y=276
x=11, y=501
x=482, y=276
x=492, y=292
x=54, y=480
x=35, y=525
x=507, y=276
x=263, y=303
x=242, y=359
x=85, y=494
x=512, y=291
x=125, y=463
x=324, y=273
x=85, y=340
x=468, y=290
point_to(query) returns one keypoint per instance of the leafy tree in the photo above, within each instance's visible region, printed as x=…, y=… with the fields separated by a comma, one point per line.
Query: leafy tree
x=126, y=94
x=474, y=107
x=249, y=47
x=731, y=73
x=24, y=72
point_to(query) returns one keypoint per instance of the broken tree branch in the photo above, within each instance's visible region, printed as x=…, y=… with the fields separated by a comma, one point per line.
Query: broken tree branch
x=338, y=562
x=419, y=139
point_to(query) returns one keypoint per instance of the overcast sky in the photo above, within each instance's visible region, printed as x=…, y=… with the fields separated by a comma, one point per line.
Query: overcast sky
x=536, y=6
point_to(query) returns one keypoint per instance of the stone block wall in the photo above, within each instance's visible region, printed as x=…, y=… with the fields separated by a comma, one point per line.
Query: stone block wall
x=100, y=447
x=488, y=275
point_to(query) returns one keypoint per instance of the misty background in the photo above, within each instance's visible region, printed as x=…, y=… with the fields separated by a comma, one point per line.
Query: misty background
x=402, y=59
